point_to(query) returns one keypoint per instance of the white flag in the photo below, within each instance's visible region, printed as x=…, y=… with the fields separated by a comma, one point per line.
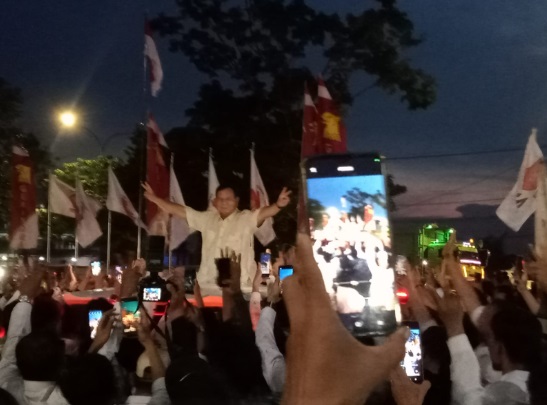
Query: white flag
x=179, y=227
x=62, y=198
x=87, y=227
x=117, y=200
x=151, y=53
x=213, y=182
x=259, y=198
x=521, y=202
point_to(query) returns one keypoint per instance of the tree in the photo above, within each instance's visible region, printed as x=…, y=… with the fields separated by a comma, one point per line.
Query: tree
x=358, y=199
x=11, y=134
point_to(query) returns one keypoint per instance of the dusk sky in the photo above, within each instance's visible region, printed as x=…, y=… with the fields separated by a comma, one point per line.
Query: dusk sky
x=488, y=57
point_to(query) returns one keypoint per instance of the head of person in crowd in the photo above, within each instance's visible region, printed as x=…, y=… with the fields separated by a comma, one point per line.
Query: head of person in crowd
x=40, y=356
x=6, y=398
x=514, y=340
x=191, y=380
x=226, y=200
x=89, y=380
x=46, y=314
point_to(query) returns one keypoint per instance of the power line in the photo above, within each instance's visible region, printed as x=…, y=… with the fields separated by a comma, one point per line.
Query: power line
x=445, y=155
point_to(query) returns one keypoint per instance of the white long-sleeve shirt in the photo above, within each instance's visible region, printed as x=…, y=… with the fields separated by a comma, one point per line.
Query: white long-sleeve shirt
x=466, y=379
x=273, y=362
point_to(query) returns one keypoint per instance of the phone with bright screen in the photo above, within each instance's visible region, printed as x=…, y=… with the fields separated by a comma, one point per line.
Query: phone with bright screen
x=94, y=319
x=265, y=259
x=412, y=362
x=285, y=271
x=130, y=315
x=151, y=294
x=96, y=268
x=348, y=206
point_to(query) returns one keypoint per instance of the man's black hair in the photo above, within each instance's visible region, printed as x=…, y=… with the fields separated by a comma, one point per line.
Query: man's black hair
x=46, y=314
x=89, y=380
x=227, y=186
x=519, y=331
x=40, y=356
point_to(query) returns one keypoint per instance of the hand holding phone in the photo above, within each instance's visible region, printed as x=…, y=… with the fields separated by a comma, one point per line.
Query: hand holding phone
x=130, y=316
x=94, y=317
x=412, y=363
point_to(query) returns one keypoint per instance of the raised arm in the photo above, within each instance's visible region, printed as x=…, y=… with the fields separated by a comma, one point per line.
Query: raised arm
x=164, y=205
x=267, y=212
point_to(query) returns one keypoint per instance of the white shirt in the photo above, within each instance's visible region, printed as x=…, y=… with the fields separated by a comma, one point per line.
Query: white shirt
x=273, y=362
x=235, y=232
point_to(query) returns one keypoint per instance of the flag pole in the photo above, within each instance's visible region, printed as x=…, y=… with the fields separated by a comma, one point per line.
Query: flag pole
x=169, y=227
x=48, y=243
x=108, y=241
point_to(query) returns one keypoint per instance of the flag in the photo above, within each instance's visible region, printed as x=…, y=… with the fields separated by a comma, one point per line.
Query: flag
x=213, y=182
x=117, y=200
x=179, y=227
x=540, y=228
x=24, y=219
x=61, y=198
x=153, y=58
x=259, y=198
x=311, y=142
x=158, y=157
x=521, y=202
x=86, y=208
x=331, y=128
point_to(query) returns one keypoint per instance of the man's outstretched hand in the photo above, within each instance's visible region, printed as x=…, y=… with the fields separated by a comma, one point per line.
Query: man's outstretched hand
x=325, y=364
x=284, y=198
x=149, y=194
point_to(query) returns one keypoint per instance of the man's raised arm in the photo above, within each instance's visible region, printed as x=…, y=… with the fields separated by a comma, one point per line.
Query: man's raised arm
x=282, y=201
x=164, y=205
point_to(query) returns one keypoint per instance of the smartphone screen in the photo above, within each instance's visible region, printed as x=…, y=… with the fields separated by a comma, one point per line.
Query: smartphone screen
x=265, y=259
x=189, y=281
x=412, y=363
x=151, y=294
x=346, y=198
x=94, y=318
x=285, y=271
x=96, y=268
x=130, y=315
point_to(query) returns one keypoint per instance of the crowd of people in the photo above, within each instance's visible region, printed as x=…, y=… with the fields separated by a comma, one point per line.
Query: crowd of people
x=476, y=342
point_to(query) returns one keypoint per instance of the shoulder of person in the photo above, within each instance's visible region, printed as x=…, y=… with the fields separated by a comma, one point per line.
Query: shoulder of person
x=505, y=392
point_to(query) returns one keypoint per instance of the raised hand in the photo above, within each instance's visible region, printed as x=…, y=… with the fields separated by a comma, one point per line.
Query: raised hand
x=103, y=331
x=404, y=391
x=284, y=198
x=149, y=193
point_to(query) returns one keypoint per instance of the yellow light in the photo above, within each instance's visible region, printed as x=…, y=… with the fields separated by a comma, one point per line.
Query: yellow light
x=471, y=241
x=68, y=119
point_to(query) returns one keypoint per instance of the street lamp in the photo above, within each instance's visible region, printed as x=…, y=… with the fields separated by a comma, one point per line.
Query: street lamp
x=67, y=118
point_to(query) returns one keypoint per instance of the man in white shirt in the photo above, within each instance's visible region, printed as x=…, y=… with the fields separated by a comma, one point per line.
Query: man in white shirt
x=225, y=227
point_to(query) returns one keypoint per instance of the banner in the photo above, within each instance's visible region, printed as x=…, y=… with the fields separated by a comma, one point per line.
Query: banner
x=331, y=128
x=24, y=219
x=154, y=63
x=213, y=182
x=87, y=226
x=520, y=203
x=259, y=198
x=118, y=201
x=179, y=227
x=311, y=141
x=157, y=165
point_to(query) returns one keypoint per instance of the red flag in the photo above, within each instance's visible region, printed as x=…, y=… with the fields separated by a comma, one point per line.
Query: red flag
x=24, y=220
x=154, y=63
x=331, y=128
x=157, y=176
x=311, y=142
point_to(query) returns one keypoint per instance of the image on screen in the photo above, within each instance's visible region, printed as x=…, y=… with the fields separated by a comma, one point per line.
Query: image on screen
x=413, y=354
x=151, y=294
x=94, y=318
x=349, y=225
x=285, y=272
x=130, y=315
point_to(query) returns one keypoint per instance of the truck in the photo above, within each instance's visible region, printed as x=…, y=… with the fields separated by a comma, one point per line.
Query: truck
x=427, y=244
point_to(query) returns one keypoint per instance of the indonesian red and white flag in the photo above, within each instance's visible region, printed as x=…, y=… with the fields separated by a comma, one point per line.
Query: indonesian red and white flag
x=311, y=141
x=158, y=158
x=332, y=131
x=62, y=198
x=24, y=219
x=118, y=201
x=87, y=227
x=153, y=58
x=259, y=199
x=179, y=227
x=521, y=202
x=213, y=183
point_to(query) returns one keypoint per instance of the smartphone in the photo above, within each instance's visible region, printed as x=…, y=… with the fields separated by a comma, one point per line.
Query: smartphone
x=265, y=260
x=223, y=267
x=94, y=317
x=155, y=253
x=130, y=315
x=189, y=281
x=285, y=271
x=412, y=362
x=96, y=268
x=151, y=294
x=346, y=197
